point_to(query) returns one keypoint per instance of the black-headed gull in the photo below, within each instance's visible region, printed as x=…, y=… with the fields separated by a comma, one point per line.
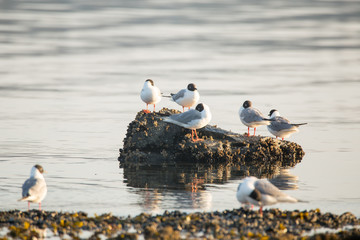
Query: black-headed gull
x=261, y=192
x=186, y=97
x=150, y=94
x=252, y=117
x=34, y=188
x=281, y=126
x=192, y=119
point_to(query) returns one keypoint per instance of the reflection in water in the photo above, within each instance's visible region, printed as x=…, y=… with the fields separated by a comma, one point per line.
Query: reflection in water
x=285, y=180
x=184, y=186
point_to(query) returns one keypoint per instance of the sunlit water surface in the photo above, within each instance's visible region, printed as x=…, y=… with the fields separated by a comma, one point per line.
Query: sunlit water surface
x=71, y=73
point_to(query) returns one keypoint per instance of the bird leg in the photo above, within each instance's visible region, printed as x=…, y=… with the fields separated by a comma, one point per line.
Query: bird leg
x=248, y=131
x=192, y=136
x=261, y=211
x=147, y=109
x=282, y=139
x=189, y=108
x=183, y=109
x=39, y=206
x=154, y=107
x=254, y=131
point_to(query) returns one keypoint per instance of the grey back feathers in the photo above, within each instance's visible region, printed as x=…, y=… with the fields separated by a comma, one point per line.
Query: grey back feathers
x=28, y=184
x=187, y=116
x=178, y=95
x=252, y=115
x=266, y=187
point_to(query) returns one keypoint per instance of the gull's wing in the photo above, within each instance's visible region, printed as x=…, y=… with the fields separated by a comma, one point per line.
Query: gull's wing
x=184, y=118
x=33, y=187
x=178, y=95
x=252, y=115
x=280, y=123
x=267, y=188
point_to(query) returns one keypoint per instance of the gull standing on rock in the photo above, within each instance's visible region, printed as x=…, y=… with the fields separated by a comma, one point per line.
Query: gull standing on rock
x=281, y=126
x=251, y=117
x=192, y=119
x=186, y=97
x=261, y=192
x=150, y=94
x=34, y=188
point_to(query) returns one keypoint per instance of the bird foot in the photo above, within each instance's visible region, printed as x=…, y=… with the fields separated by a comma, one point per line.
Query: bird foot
x=199, y=139
x=146, y=111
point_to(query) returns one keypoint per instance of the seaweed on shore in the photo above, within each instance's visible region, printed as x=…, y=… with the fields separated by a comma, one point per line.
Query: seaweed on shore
x=229, y=224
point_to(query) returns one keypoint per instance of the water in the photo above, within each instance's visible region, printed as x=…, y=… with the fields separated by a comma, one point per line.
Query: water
x=71, y=73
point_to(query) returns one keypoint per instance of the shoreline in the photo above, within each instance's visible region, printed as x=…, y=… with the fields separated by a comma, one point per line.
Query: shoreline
x=228, y=224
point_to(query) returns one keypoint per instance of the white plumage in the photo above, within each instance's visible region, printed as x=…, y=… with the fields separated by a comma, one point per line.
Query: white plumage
x=281, y=126
x=186, y=97
x=34, y=188
x=192, y=119
x=150, y=94
x=261, y=192
x=252, y=117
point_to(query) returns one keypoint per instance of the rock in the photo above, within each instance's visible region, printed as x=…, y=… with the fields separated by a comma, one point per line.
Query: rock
x=152, y=142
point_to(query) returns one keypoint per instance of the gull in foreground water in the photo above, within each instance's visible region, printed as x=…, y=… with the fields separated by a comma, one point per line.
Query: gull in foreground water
x=251, y=117
x=261, y=192
x=281, y=126
x=192, y=119
x=186, y=97
x=34, y=188
x=150, y=94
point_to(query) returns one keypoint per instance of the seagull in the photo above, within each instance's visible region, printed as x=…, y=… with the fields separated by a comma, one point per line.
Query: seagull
x=251, y=117
x=281, y=127
x=192, y=119
x=186, y=97
x=150, y=94
x=261, y=192
x=34, y=188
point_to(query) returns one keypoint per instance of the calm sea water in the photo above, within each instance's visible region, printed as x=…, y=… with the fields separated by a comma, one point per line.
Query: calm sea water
x=71, y=73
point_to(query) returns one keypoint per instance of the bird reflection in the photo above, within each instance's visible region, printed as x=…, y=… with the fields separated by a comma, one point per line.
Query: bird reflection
x=184, y=186
x=152, y=199
x=285, y=180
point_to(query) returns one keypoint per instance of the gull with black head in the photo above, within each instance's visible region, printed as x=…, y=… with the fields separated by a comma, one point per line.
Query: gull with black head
x=252, y=117
x=150, y=94
x=186, y=97
x=34, y=188
x=192, y=119
x=261, y=192
x=281, y=126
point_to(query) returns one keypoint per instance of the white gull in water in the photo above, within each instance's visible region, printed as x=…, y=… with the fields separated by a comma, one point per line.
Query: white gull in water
x=34, y=188
x=192, y=119
x=150, y=94
x=251, y=117
x=261, y=192
x=281, y=126
x=186, y=97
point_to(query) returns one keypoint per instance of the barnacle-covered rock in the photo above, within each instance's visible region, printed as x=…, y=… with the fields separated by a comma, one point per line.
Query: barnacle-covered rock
x=152, y=142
